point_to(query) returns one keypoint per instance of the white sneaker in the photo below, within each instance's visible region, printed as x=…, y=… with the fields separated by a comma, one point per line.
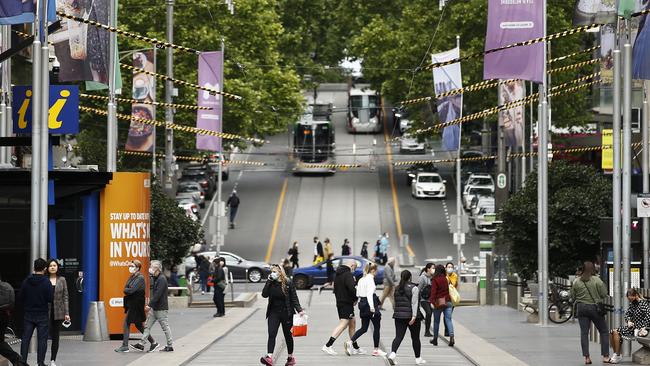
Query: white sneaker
x=391, y=358
x=52, y=363
x=348, y=348
x=379, y=353
x=420, y=361
x=329, y=350
x=359, y=351
x=616, y=358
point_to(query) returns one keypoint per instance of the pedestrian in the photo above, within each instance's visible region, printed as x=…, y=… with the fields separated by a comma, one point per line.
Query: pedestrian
x=378, y=255
x=328, y=248
x=204, y=273
x=60, y=309
x=174, y=280
x=424, y=288
x=587, y=292
x=452, y=277
x=407, y=315
x=345, y=248
x=156, y=310
x=319, y=255
x=7, y=304
x=346, y=298
x=368, y=310
x=36, y=295
x=441, y=302
x=329, y=268
x=219, y=282
x=637, y=319
x=364, y=250
x=288, y=269
x=293, y=255
x=384, y=246
x=233, y=205
x=226, y=271
x=134, y=303
x=390, y=280
x=283, y=303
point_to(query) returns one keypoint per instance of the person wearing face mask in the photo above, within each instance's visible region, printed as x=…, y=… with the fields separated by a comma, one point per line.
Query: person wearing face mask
x=157, y=310
x=134, y=303
x=424, y=289
x=452, y=277
x=368, y=311
x=637, y=319
x=283, y=303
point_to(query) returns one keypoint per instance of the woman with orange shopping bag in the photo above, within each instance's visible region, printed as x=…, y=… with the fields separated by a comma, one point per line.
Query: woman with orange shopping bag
x=283, y=304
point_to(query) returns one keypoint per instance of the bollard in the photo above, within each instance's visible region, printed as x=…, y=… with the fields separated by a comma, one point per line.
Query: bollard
x=96, y=325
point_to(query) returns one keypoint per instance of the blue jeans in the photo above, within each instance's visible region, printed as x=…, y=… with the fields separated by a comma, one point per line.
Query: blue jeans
x=203, y=280
x=38, y=322
x=448, y=323
x=233, y=213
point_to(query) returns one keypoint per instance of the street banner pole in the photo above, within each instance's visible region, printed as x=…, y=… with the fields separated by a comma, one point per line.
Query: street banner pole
x=542, y=192
x=645, y=159
x=111, y=130
x=169, y=112
x=4, y=151
x=43, y=110
x=8, y=94
x=153, y=151
x=627, y=155
x=221, y=160
x=616, y=179
x=459, y=211
x=37, y=96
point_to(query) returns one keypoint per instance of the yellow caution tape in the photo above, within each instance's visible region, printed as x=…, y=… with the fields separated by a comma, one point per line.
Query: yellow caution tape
x=136, y=101
x=191, y=158
x=588, y=50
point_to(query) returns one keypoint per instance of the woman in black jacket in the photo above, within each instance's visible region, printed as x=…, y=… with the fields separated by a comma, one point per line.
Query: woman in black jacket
x=219, y=283
x=283, y=303
x=407, y=315
x=134, y=304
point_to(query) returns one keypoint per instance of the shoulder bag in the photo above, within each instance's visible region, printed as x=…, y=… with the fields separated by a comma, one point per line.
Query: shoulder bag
x=602, y=307
x=453, y=293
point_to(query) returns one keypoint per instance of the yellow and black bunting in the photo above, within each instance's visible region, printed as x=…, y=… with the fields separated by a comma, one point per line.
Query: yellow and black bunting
x=135, y=101
x=329, y=166
x=190, y=158
x=561, y=58
x=574, y=66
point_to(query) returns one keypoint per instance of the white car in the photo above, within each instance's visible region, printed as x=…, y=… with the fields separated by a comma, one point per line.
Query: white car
x=410, y=144
x=473, y=191
x=428, y=185
x=404, y=124
x=484, y=217
x=480, y=180
x=191, y=209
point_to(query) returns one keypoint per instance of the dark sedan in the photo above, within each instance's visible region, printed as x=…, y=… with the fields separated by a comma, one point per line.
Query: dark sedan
x=240, y=268
x=306, y=277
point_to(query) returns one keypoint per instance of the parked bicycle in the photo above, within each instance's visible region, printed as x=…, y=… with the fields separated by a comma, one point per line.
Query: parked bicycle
x=560, y=309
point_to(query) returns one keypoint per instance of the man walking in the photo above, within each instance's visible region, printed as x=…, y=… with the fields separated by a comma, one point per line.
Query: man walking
x=319, y=254
x=157, y=310
x=7, y=302
x=389, y=282
x=346, y=298
x=36, y=293
x=233, y=206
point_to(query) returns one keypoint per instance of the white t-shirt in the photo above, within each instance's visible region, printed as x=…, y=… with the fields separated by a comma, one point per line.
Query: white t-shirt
x=366, y=288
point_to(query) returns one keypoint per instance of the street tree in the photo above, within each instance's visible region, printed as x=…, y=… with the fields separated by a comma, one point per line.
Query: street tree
x=578, y=197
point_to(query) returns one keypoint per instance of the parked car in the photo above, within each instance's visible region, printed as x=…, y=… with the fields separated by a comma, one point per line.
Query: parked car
x=214, y=164
x=415, y=169
x=190, y=207
x=240, y=268
x=306, y=277
x=428, y=185
x=472, y=191
x=205, y=179
x=484, y=217
x=480, y=180
x=192, y=192
x=411, y=144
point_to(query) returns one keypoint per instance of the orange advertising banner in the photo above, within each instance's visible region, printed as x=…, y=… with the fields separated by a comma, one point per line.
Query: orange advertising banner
x=123, y=237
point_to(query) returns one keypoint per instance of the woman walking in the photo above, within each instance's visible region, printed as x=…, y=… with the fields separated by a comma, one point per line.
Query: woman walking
x=293, y=255
x=204, y=272
x=219, y=283
x=407, y=315
x=134, y=303
x=587, y=291
x=283, y=303
x=441, y=303
x=637, y=319
x=59, y=309
x=424, y=288
x=329, y=266
x=368, y=310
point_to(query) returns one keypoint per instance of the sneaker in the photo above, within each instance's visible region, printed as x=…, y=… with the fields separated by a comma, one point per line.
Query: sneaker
x=167, y=349
x=266, y=360
x=378, y=353
x=420, y=361
x=154, y=346
x=348, y=348
x=202, y=292
x=137, y=347
x=52, y=363
x=391, y=358
x=616, y=358
x=434, y=341
x=359, y=351
x=291, y=361
x=122, y=349
x=329, y=350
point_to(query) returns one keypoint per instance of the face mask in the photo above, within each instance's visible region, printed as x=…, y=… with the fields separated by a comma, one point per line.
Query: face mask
x=635, y=302
x=274, y=276
x=132, y=270
x=450, y=270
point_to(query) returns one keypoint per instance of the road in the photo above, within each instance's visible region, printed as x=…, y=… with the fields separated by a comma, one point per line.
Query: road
x=278, y=208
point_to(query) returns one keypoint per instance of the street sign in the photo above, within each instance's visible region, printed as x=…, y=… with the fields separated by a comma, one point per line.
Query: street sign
x=643, y=205
x=501, y=181
x=453, y=224
x=459, y=238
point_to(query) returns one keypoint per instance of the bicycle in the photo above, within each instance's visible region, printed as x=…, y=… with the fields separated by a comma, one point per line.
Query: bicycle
x=560, y=309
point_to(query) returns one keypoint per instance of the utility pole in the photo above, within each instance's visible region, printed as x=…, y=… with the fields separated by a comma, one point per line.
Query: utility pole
x=645, y=159
x=37, y=96
x=221, y=207
x=502, y=177
x=5, y=152
x=542, y=192
x=43, y=110
x=111, y=129
x=169, y=111
x=627, y=160
x=616, y=180
x=459, y=211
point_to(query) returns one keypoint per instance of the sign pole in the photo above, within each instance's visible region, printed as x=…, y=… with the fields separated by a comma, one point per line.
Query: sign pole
x=646, y=182
x=45, y=140
x=36, y=137
x=542, y=192
x=459, y=210
x=6, y=84
x=111, y=130
x=616, y=178
x=169, y=112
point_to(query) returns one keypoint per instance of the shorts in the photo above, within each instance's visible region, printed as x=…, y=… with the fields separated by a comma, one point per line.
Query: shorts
x=346, y=311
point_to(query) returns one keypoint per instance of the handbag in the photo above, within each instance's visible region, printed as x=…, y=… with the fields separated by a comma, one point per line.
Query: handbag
x=299, y=328
x=601, y=306
x=453, y=294
x=222, y=284
x=441, y=303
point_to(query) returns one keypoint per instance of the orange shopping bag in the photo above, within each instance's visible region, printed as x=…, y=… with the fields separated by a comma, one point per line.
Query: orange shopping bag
x=299, y=328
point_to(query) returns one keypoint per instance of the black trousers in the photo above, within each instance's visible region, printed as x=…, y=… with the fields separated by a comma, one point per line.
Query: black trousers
x=400, y=331
x=5, y=349
x=365, y=323
x=274, y=321
x=55, y=330
x=427, y=317
x=36, y=322
x=219, y=300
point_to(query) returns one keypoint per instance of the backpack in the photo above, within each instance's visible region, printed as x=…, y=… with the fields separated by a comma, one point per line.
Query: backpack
x=7, y=296
x=425, y=293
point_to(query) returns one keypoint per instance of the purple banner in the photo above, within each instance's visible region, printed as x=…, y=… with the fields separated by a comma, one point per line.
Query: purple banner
x=210, y=76
x=512, y=21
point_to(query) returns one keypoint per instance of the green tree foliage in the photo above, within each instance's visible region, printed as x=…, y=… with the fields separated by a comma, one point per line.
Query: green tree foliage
x=578, y=197
x=172, y=232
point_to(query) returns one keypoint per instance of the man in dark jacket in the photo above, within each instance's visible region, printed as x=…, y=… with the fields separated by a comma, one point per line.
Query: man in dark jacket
x=134, y=303
x=346, y=298
x=36, y=293
x=233, y=205
x=156, y=310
